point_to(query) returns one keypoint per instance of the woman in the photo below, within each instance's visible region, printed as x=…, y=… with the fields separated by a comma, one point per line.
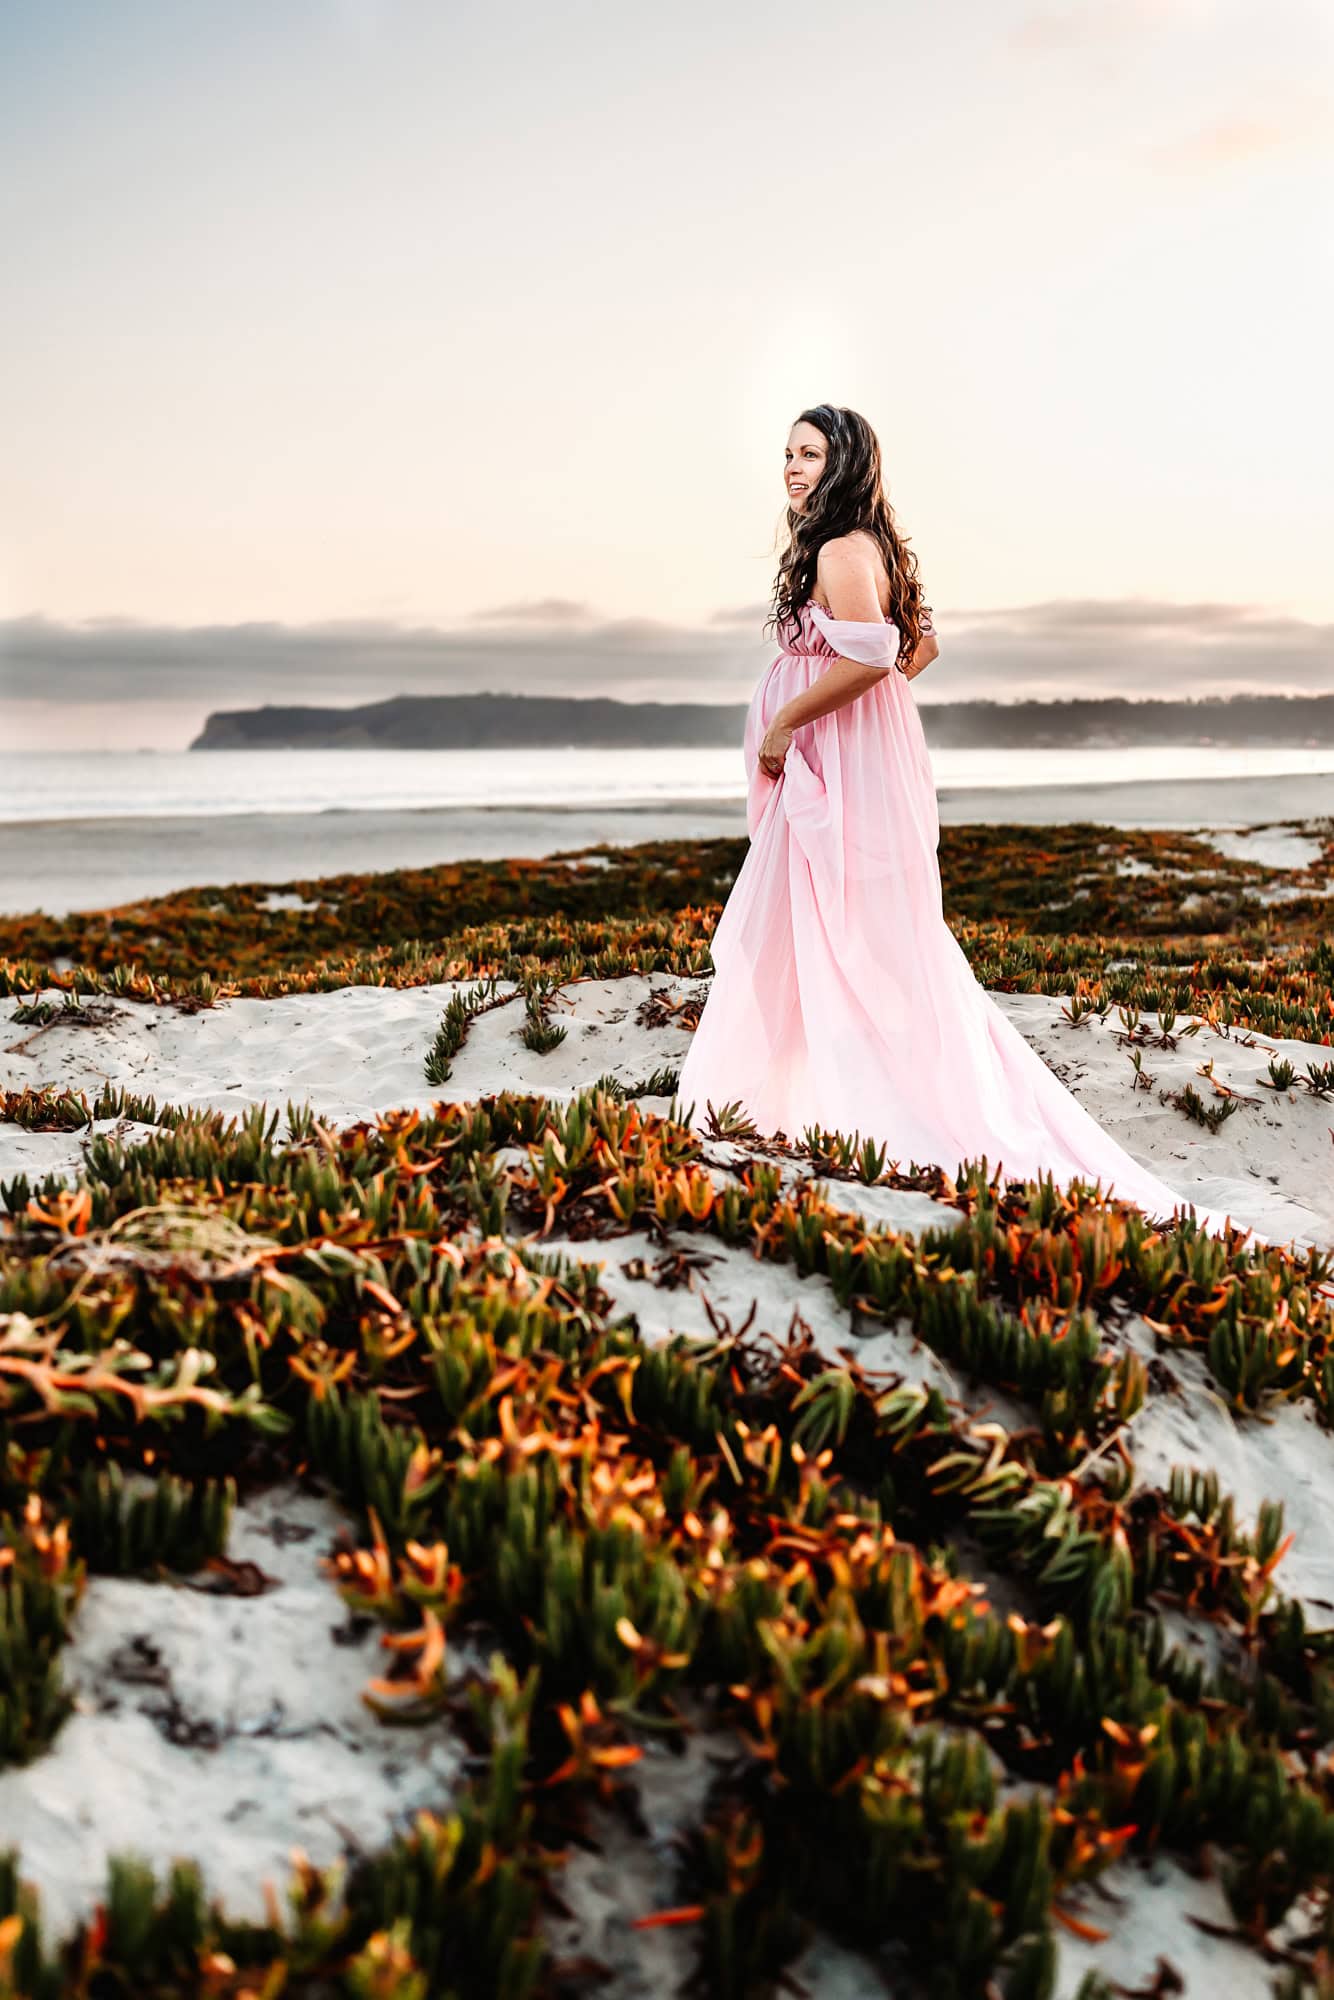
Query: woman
x=840, y=996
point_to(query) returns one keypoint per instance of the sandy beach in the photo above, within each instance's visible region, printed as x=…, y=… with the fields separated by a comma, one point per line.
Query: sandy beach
x=71, y=864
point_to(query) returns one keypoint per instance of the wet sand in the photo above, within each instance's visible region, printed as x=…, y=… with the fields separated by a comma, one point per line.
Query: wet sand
x=63, y=865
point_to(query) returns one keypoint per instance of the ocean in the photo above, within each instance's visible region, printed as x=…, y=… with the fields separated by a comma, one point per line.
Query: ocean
x=169, y=784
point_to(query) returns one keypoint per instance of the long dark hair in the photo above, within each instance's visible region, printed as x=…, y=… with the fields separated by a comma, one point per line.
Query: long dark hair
x=851, y=494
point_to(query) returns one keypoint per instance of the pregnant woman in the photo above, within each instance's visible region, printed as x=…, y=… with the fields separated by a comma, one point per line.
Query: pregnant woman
x=840, y=996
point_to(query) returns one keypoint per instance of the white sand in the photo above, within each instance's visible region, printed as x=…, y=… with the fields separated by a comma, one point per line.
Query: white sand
x=1269, y=846
x=226, y=1728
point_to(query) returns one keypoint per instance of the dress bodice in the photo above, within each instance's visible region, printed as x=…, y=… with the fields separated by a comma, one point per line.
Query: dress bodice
x=816, y=633
x=802, y=636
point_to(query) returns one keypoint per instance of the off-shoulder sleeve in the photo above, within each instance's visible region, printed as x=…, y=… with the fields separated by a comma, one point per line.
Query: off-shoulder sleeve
x=871, y=642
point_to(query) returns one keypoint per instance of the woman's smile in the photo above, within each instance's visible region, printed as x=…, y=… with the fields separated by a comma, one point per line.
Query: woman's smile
x=804, y=461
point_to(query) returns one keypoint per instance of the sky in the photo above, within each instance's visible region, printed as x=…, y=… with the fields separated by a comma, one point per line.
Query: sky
x=357, y=347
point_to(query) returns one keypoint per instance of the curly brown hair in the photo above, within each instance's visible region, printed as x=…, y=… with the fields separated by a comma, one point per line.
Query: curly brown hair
x=850, y=495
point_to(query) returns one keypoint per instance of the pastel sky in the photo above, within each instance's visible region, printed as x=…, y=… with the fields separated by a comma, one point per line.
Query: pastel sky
x=363, y=346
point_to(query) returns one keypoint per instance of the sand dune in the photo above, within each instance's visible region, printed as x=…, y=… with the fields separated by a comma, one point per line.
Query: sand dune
x=359, y=1050
x=196, y=1728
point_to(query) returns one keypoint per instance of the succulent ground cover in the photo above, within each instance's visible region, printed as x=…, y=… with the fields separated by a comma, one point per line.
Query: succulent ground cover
x=743, y=1524
x=1128, y=916
x=962, y=1648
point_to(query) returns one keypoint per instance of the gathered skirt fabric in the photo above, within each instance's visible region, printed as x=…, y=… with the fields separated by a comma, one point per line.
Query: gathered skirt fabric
x=840, y=996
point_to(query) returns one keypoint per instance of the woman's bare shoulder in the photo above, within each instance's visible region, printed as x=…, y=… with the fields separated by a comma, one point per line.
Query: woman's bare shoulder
x=854, y=562
x=857, y=546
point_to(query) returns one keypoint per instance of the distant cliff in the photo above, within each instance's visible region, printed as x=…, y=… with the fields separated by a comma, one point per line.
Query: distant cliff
x=476, y=722
x=519, y=721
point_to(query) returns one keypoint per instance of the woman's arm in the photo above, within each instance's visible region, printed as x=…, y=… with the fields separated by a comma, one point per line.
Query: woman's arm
x=926, y=650
x=841, y=682
x=847, y=574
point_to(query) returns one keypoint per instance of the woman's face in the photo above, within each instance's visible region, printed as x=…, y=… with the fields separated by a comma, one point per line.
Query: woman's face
x=804, y=463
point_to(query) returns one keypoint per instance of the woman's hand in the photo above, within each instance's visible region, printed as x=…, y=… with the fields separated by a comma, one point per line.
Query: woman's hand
x=928, y=649
x=774, y=746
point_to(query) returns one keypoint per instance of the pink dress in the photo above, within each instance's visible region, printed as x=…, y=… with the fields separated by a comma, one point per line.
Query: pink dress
x=840, y=996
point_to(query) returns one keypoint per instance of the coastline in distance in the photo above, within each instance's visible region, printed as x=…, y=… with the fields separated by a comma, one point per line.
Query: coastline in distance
x=516, y=721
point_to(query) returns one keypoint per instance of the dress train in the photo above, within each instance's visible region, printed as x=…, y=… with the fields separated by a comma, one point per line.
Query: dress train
x=840, y=995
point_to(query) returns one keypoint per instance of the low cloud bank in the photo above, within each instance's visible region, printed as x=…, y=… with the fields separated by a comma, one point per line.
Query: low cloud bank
x=116, y=682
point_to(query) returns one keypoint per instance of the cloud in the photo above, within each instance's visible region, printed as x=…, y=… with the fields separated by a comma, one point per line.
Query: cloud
x=1069, y=617
x=1135, y=647
x=751, y=615
x=1225, y=141
x=541, y=611
x=1081, y=25
x=59, y=681
x=1116, y=32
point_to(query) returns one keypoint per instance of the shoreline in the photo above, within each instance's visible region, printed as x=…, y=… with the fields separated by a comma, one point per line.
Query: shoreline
x=61, y=865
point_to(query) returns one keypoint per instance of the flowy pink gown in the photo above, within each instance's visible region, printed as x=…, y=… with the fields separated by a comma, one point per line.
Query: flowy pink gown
x=840, y=996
